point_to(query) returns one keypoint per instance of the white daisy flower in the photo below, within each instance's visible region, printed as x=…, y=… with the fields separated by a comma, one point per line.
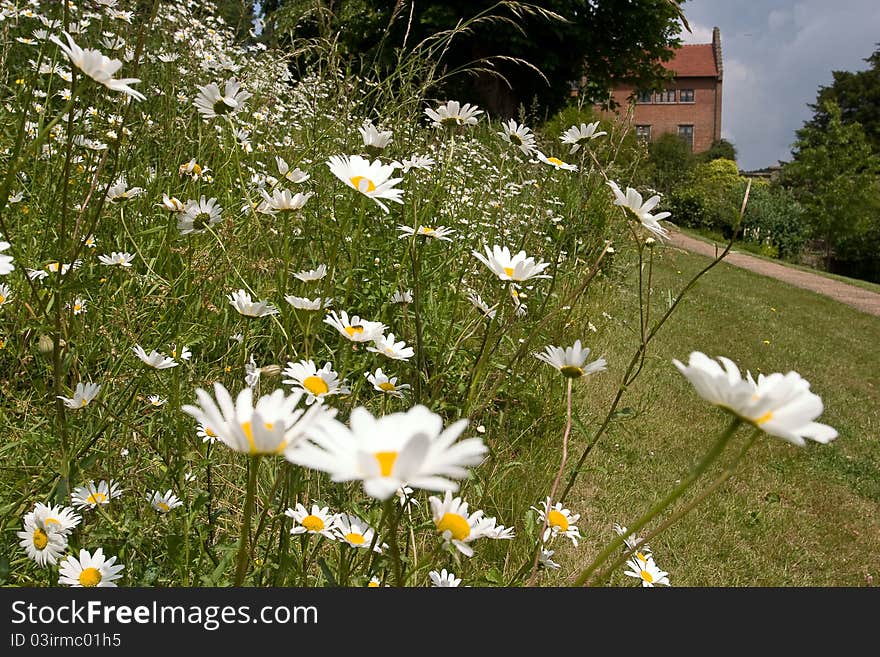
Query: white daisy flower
x=482, y=306
x=545, y=559
x=43, y=543
x=6, y=266
x=386, y=346
x=560, y=521
x=381, y=382
x=295, y=175
x=630, y=540
x=316, y=383
x=78, y=306
x=193, y=169
x=82, y=395
x=405, y=496
x=632, y=202
x=154, y=359
x=172, y=204
x=443, y=579
x=309, y=275
x=242, y=302
x=91, y=496
x=373, y=179
x=570, y=361
x=402, y=296
x=421, y=162
x=374, y=138
x=356, y=532
x=89, y=570
x=98, y=67
x=120, y=190
x=647, y=572
x=439, y=233
x=271, y=426
x=354, y=328
x=518, y=135
x=206, y=434
x=317, y=521
x=185, y=353
x=196, y=216
x=156, y=401
x=555, y=162
x=453, y=113
x=211, y=102
x=119, y=258
x=778, y=404
x=62, y=519
x=456, y=527
x=91, y=242
x=581, y=135
x=282, y=200
x=163, y=503
x=511, y=268
x=304, y=303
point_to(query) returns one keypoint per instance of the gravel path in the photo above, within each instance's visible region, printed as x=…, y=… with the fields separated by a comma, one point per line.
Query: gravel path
x=857, y=297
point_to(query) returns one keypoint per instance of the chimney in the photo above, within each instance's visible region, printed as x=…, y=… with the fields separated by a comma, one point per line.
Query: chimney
x=716, y=49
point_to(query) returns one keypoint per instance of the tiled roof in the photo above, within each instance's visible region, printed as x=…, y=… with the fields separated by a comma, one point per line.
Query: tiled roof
x=694, y=60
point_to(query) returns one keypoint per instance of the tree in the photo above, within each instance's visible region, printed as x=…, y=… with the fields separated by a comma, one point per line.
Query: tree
x=858, y=97
x=671, y=160
x=608, y=40
x=834, y=174
x=720, y=149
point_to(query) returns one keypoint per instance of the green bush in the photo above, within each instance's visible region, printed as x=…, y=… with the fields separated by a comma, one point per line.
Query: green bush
x=775, y=219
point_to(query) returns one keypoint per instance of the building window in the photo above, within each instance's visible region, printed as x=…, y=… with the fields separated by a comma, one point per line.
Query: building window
x=643, y=97
x=643, y=132
x=666, y=96
x=686, y=132
x=686, y=96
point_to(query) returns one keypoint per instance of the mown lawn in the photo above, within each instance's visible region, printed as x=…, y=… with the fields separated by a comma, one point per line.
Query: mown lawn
x=791, y=516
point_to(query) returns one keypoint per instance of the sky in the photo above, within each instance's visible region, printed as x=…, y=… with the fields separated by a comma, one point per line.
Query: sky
x=776, y=55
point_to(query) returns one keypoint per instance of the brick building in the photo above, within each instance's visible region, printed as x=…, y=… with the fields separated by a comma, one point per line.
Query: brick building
x=690, y=106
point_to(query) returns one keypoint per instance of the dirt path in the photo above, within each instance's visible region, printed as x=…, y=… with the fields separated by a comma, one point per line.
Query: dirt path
x=857, y=297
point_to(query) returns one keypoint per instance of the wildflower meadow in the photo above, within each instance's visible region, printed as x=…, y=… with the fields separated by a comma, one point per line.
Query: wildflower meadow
x=266, y=324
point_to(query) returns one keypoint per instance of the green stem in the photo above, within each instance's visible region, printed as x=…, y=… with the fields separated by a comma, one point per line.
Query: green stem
x=710, y=457
x=243, y=539
x=394, y=520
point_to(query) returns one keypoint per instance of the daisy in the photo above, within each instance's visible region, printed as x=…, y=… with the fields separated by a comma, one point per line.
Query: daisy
x=243, y=303
x=456, y=527
x=385, y=384
x=453, y=114
x=443, y=579
x=154, y=359
x=309, y=275
x=192, y=169
x=355, y=328
x=580, y=136
x=120, y=258
x=156, y=401
x=631, y=540
x=515, y=268
x=555, y=162
x=163, y=503
x=98, y=67
x=559, y=521
x=282, y=200
x=402, y=296
x=421, y=162
x=632, y=203
x=91, y=242
x=482, y=306
x=570, y=361
x=78, y=306
x=120, y=190
x=779, y=404
x=317, y=521
x=405, y=496
x=185, y=353
x=518, y=135
x=391, y=451
x=647, y=571
x=54, y=267
x=196, y=216
x=89, y=570
x=317, y=383
x=373, y=179
x=206, y=434
x=386, y=346
x=545, y=559
x=373, y=138
x=295, y=175
x=211, y=103
x=304, y=303
x=271, y=426
x=355, y=532
x=62, y=519
x=440, y=232
x=91, y=496
x=82, y=396
x=6, y=266
x=43, y=543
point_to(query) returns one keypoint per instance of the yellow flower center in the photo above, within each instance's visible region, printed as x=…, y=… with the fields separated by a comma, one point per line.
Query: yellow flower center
x=41, y=540
x=364, y=185
x=557, y=519
x=509, y=271
x=571, y=371
x=765, y=418
x=163, y=507
x=83, y=402
x=647, y=577
x=77, y=307
x=96, y=498
x=386, y=462
x=313, y=523
x=210, y=433
x=316, y=385
x=90, y=577
x=373, y=584
x=355, y=539
x=427, y=230
x=352, y=330
x=2, y=299
x=456, y=524
x=387, y=386
x=556, y=161
x=196, y=169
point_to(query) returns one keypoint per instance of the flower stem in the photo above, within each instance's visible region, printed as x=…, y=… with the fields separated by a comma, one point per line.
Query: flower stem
x=393, y=521
x=244, y=536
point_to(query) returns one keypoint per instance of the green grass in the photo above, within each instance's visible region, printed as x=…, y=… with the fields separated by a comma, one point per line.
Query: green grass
x=791, y=516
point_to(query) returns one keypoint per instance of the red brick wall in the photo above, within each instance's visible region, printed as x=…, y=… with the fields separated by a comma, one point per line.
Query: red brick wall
x=704, y=113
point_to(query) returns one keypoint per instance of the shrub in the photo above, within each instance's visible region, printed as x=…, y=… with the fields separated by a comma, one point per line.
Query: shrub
x=776, y=220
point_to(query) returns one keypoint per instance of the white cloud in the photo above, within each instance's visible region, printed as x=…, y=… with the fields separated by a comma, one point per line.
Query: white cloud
x=698, y=34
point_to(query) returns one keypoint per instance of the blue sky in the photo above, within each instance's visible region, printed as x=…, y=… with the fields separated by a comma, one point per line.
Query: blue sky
x=776, y=55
